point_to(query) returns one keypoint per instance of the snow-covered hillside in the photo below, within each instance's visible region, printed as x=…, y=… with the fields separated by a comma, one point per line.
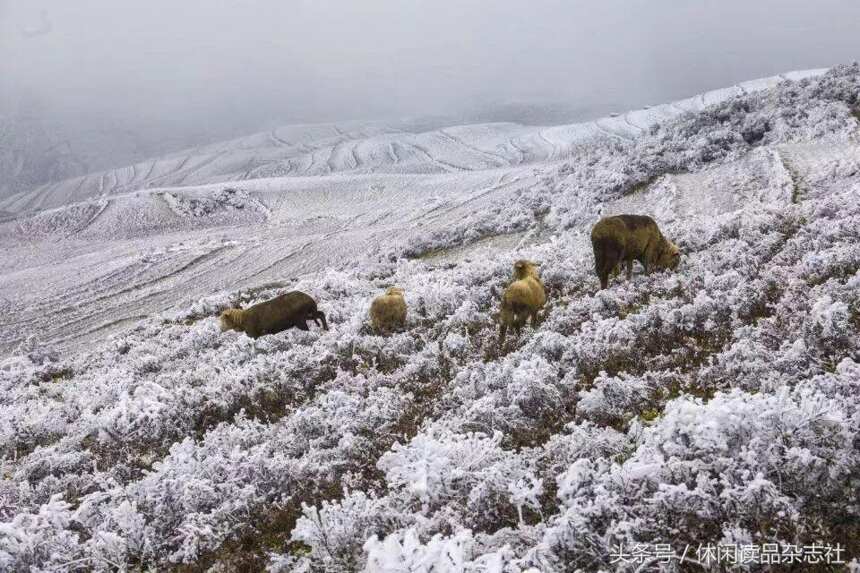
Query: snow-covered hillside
x=105, y=255
x=362, y=147
x=716, y=405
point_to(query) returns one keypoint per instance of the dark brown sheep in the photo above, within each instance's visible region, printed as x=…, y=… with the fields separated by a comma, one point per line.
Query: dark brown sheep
x=628, y=238
x=290, y=310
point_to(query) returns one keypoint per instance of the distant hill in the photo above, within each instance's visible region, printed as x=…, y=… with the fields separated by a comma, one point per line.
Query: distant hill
x=401, y=147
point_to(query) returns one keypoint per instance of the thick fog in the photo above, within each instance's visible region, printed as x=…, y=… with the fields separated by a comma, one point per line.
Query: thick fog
x=193, y=69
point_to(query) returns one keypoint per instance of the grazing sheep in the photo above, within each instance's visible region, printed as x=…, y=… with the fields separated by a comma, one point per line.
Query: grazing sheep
x=290, y=310
x=388, y=311
x=625, y=238
x=522, y=299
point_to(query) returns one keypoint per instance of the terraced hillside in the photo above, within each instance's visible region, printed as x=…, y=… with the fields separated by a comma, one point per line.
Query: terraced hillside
x=361, y=148
x=107, y=249
x=716, y=405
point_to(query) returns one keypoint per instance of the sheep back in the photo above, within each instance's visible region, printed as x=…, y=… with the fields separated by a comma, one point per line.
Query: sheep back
x=627, y=238
x=289, y=310
x=388, y=311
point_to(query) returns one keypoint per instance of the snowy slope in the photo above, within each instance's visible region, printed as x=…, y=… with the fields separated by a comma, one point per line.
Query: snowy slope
x=120, y=255
x=718, y=404
x=98, y=265
x=314, y=150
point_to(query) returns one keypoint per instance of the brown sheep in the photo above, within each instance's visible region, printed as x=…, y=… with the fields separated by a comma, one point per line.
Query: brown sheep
x=290, y=310
x=625, y=238
x=522, y=299
x=388, y=311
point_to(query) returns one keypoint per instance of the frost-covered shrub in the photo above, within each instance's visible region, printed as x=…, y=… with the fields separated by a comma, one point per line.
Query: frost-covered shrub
x=469, y=474
x=40, y=541
x=337, y=531
x=760, y=462
x=446, y=554
x=521, y=396
x=614, y=399
x=225, y=200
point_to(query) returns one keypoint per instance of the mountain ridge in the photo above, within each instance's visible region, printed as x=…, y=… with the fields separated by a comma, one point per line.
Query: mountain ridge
x=367, y=147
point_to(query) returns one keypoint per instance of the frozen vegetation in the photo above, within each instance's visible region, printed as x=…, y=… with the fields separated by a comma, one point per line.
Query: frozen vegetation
x=717, y=404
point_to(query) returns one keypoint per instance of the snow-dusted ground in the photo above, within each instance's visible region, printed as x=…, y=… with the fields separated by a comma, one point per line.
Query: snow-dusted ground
x=718, y=404
x=110, y=248
x=316, y=150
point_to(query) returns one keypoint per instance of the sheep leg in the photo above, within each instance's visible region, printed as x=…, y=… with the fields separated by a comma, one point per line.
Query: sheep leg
x=604, y=271
x=603, y=274
x=629, y=269
x=503, y=330
x=521, y=319
x=302, y=325
x=607, y=255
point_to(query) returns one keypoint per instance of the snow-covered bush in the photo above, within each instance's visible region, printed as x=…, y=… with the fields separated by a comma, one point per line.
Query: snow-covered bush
x=466, y=474
x=446, y=554
x=337, y=531
x=780, y=466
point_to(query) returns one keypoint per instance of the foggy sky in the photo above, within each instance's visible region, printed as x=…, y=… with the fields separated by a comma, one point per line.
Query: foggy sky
x=241, y=63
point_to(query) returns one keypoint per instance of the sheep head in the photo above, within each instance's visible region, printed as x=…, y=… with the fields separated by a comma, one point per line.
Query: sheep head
x=524, y=268
x=231, y=319
x=670, y=257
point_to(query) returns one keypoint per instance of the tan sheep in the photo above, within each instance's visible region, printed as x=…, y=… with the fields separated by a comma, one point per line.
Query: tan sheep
x=628, y=238
x=290, y=310
x=522, y=299
x=388, y=311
